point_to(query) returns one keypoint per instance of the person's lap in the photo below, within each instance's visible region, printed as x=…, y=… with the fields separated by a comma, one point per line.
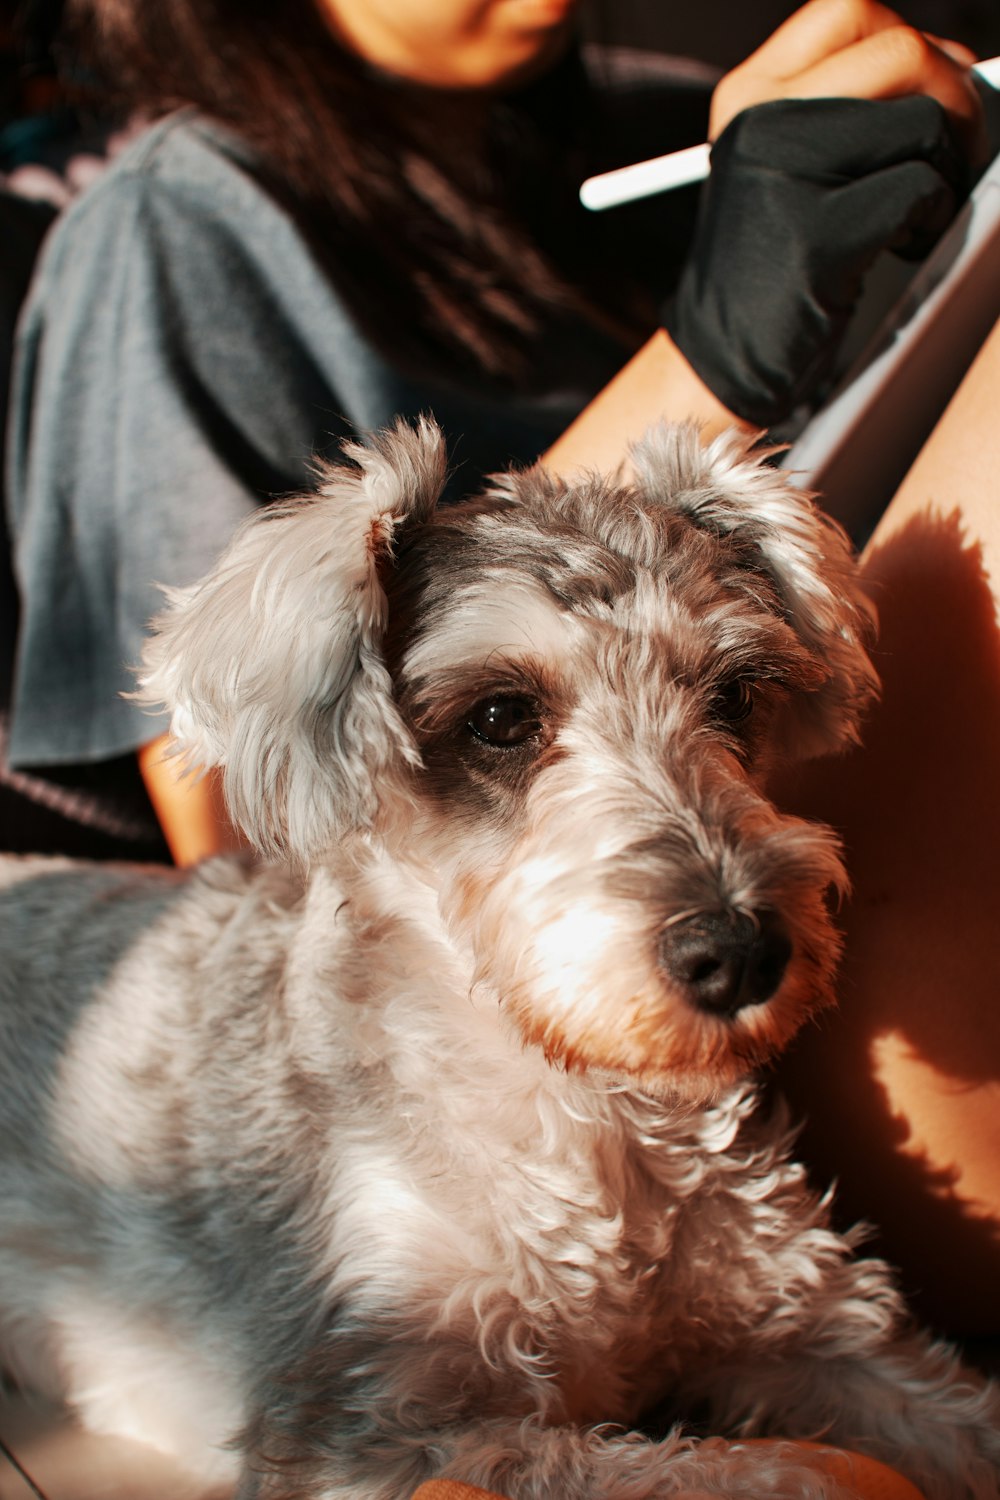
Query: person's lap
x=902, y=1086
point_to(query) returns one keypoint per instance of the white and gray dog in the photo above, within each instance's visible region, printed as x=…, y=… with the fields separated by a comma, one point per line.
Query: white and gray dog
x=427, y=1145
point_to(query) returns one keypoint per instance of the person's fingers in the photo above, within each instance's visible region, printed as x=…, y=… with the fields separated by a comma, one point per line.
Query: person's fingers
x=891, y=64
x=903, y=208
x=853, y=49
x=957, y=51
x=823, y=140
x=816, y=30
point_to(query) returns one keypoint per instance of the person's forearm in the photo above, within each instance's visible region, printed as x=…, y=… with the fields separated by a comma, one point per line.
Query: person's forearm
x=656, y=385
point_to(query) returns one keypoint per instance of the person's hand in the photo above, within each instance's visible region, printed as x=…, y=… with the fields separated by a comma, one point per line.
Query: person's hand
x=853, y=49
x=802, y=197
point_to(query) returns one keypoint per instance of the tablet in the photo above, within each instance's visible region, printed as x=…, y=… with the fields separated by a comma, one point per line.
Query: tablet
x=856, y=448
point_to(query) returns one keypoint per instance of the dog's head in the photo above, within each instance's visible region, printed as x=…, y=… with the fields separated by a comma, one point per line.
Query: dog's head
x=559, y=703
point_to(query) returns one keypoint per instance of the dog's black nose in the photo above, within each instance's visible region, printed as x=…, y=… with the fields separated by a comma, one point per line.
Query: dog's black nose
x=726, y=959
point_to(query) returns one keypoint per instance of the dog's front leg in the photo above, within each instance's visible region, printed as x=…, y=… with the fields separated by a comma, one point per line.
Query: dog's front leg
x=908, y=1402
x=529, y=1461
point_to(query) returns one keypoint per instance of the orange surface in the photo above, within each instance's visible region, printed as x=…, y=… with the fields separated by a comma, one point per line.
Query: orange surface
x=452, y=1489
x=870, y=1479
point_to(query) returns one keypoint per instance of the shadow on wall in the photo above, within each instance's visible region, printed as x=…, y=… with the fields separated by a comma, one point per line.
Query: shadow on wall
x=902, y=1084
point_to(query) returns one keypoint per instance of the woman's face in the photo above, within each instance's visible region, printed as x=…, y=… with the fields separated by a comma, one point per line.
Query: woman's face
x=453, y=44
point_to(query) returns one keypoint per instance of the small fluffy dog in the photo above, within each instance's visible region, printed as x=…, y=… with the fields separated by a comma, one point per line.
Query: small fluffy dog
x=428, y=1147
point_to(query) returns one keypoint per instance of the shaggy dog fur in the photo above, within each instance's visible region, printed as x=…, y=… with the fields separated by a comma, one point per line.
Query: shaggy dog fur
x=426, y=1146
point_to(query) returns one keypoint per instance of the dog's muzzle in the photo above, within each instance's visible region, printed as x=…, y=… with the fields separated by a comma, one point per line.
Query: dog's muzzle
x=726, y=960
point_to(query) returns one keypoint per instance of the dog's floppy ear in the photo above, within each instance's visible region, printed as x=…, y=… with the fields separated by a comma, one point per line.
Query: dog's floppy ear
x=272, y=665
x=727, y=486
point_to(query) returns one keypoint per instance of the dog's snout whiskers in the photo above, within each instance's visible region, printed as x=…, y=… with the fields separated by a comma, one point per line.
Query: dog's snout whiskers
x=725, y=960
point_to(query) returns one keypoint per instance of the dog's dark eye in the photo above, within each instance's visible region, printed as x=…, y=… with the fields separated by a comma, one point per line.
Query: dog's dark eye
x=505, y=721
x=733, y=701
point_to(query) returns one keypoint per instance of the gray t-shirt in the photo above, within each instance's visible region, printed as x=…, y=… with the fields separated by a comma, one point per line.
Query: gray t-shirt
x=181, y=359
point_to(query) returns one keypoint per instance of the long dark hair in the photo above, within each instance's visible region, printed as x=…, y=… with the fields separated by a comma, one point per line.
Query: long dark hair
x=419, y=214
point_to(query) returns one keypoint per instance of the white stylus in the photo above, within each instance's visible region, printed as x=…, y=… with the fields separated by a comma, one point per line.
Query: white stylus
x=678, y=168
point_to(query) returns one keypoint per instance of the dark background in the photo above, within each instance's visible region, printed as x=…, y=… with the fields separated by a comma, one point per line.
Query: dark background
x=725, y=31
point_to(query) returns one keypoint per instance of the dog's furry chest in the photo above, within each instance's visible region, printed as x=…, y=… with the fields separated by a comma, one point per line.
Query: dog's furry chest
x=570, y=1255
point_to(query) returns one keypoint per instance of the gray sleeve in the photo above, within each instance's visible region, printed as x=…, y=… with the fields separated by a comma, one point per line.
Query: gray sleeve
x=162, y=390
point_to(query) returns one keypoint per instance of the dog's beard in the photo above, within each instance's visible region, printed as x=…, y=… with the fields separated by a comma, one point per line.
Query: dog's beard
x=564, y=932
